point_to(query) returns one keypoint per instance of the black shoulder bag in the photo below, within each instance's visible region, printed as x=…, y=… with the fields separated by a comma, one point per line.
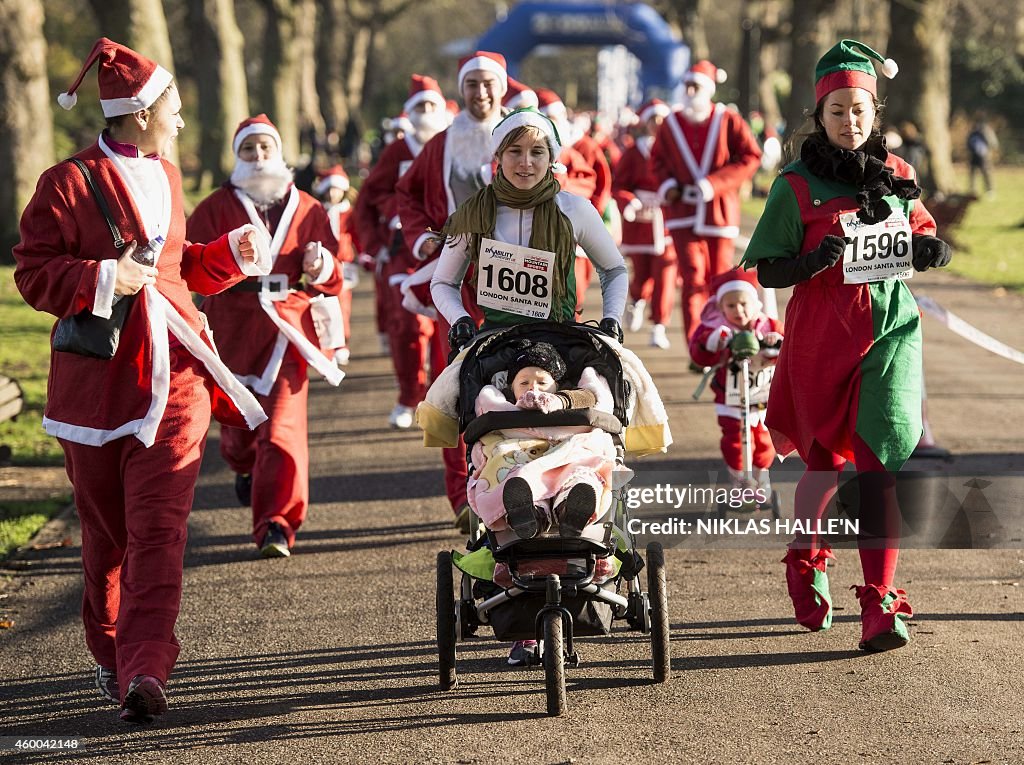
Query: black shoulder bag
x=84, y=333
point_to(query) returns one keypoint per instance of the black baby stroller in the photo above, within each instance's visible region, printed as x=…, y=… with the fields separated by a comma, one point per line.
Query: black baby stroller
x=552, y=608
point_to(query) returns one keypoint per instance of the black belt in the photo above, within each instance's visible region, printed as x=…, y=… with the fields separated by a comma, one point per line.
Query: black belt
x=255, y=285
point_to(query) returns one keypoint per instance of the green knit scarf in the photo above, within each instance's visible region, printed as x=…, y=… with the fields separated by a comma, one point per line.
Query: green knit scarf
x=552, y=230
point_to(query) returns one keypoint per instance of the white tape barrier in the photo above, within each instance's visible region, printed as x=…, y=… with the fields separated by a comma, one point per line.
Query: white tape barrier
x=967, y=331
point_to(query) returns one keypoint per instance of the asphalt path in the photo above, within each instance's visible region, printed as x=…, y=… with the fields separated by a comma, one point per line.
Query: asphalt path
x=330, y=655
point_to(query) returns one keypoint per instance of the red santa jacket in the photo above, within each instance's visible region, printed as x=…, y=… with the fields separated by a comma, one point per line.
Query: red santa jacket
x=376, y=213
x=592, y=154
x=252, y=332
x=340, y=217
x=720, y=152
x=642, y=232
x=64, y=241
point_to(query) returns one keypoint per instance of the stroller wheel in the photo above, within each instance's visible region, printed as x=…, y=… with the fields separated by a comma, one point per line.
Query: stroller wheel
x=446, y=606
x=554, y=663
x=657, y=588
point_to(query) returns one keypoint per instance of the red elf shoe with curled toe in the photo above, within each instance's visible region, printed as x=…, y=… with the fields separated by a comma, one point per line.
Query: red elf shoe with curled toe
x=883, y=616
x=808, y=587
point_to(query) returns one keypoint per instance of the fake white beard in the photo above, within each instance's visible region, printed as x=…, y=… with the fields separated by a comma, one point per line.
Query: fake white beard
x=698, y=108
x=470, y=144
x=265, y=182
x=428, y=124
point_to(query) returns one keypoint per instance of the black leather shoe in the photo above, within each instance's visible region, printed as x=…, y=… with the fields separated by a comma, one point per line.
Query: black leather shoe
x=520, y=512
x=577, y=510
x=243, y=489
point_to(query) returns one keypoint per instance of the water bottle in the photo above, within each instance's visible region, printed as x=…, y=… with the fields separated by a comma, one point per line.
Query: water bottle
x=145, y=255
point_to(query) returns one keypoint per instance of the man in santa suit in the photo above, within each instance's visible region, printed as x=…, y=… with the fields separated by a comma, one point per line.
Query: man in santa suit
x=132, y=427
x=587, y=175
x=265, y=328
x=331, y=188
x=379, y=228
x=644, y=238
x=702, y=155
x=454, y=165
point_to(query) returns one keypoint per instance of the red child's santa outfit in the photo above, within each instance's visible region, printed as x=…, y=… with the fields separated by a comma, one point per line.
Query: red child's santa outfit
x=266, y=331
x=133, y=427
x=709, y=348
x=380, y=229
x=644, y=237
x=453, y=165
x=334, y=180
x=707, y=152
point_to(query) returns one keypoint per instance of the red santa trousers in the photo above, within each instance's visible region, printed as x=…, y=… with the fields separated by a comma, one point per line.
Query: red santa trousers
x=584, y=271
x=654, y=280
x=276, y=454
x=732, y=444
x=409, y=335
x=701, y=258
x=133, y=503
x=455, y=473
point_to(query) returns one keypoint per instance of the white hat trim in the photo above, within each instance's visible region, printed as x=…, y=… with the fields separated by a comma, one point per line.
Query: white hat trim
x=424, y=95
x=523, y=99
x=331, y=182
x=150, y=92
x=655, y=110
x=257, y=128
x=736, y=285
x=488, y=65
x=523, y=119
x=705, y=82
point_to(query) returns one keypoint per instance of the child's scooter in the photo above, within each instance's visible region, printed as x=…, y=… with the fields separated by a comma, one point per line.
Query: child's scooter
x=743, y=346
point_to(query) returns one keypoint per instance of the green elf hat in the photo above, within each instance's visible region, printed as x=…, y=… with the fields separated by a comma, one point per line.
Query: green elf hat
x=848, y=65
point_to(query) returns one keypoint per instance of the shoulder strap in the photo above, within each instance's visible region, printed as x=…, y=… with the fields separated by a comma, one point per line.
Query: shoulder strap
x=101, y=201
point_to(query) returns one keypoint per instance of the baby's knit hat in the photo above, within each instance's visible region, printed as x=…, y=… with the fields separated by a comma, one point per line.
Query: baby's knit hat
x=537, y=354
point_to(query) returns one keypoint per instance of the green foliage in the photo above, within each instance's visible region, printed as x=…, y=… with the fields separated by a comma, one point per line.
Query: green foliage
x=19, y=521
x=25, y=357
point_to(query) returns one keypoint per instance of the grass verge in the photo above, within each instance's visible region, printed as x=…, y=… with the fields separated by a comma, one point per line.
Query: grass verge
x=19, y=521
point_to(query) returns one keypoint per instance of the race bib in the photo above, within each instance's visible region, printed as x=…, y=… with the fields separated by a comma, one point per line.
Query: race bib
x=515, y=279
x=879, y=251
x=759, y=378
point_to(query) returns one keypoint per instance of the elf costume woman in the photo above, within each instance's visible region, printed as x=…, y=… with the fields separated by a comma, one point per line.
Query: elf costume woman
x=844, y=227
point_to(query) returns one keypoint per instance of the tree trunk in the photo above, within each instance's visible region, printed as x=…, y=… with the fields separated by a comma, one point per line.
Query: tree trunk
x=310, y=116
x=26, y=127
x=332, y=43
x=280, y=91
x=223, y=95
x=919, y=42
x=812, y=34
x=770, y=19
x=690, y=15
x=364, y=45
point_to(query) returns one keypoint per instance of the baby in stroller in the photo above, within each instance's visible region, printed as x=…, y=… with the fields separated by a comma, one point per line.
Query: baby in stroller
x=528, y=479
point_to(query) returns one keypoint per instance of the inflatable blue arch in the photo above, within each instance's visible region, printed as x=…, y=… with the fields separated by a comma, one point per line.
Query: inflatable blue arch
x=637, y=26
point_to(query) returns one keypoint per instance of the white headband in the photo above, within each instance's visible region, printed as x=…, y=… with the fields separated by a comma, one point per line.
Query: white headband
x=524, y=118
x=736, y=285
x=257, y=128
x=488, y=65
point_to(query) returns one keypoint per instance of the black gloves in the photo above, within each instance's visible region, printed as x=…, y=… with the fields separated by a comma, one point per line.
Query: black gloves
x=461, y=333
x=828, y=252
x=611, y=327
x=930, y=252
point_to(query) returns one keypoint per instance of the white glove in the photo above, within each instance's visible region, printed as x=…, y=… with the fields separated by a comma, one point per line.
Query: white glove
x=718, y=338
x=770, y=339
x=545, y=402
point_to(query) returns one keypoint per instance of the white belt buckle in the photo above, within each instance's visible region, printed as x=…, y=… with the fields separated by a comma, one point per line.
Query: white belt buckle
x=274, y=287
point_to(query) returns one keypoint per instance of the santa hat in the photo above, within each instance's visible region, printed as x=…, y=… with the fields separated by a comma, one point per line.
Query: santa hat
x=848, y=65
x=706, y=75
x=527, y=116
x=536, y=354
x=735, y=280
x=129, y=82
x=654, y=108
x=423, y=88
x=489, y=62
x=331, y=178
x=453, y=106
x=548, y=101
x=403, y=123
x=258, y=125
x=519, y=95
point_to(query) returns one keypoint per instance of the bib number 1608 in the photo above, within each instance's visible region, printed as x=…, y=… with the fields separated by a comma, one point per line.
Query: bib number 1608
x=519, y=282
x=870, y=246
